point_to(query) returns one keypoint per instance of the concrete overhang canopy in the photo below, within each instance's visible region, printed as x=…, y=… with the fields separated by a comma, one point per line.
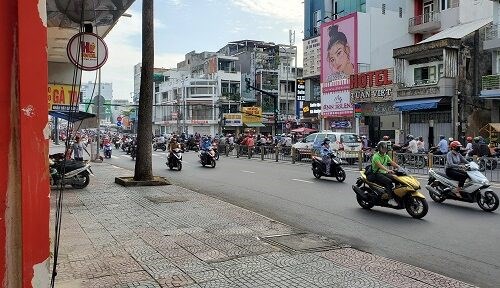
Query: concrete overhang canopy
x=425, y=49
x=64, y=18
x=448, y=38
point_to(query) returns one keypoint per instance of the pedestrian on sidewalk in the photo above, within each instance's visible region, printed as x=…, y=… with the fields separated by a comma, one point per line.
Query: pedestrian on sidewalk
x=78, y=149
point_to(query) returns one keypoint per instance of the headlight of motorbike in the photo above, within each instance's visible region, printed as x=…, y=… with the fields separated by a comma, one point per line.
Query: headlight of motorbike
x=486, y=182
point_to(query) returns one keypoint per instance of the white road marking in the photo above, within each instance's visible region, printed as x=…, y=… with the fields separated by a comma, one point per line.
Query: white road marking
x=156, y=155
x=245, y=171
x=114, y=157
x=305, y=181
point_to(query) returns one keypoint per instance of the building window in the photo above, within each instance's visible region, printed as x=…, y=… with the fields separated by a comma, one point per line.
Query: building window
x=445, y=4
x=362, y=6
x=317, y=19
x=383, y=8
x=400, y=12
x=425, y=75
x=498, y=63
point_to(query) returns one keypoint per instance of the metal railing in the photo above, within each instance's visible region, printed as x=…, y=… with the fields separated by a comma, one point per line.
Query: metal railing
x=491, y=32
x=424, y=18
x=491, y=82
x=419, y=163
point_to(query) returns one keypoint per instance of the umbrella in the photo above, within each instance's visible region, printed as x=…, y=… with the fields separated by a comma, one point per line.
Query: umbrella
x=303, y=130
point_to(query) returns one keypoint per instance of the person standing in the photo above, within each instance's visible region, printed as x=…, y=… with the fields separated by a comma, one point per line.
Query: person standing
x=421, y=144
x=78, y=149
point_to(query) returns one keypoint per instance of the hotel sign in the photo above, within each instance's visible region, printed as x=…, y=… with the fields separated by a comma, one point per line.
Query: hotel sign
x=373, y=86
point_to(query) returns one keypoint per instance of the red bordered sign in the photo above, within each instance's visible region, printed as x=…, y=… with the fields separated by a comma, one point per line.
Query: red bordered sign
x=87, y=51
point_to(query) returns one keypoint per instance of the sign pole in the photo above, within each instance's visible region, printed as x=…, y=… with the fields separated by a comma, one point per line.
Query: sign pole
x=98, y=114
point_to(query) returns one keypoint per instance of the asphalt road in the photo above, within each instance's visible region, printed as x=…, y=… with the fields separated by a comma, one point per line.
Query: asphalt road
x=458, y=240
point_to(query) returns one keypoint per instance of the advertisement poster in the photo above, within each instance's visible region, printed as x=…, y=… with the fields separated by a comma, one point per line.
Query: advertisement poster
x=312, y=59
x=251, y=115
x=339, y=49
x=338, y=62
x=233, y=119
x=337, y=104
x=63, y=97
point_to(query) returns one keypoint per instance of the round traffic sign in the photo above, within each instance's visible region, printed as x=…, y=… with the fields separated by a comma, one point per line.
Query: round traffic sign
x=119, y=124
x=119, y=119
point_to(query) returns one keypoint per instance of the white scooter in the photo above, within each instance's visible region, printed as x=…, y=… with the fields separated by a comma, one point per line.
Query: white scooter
x=476, y=188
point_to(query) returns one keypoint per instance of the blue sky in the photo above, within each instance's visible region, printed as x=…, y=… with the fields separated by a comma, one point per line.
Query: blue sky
x=182, y=26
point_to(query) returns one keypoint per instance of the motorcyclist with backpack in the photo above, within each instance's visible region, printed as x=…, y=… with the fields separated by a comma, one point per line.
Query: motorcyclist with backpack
x=380, y=174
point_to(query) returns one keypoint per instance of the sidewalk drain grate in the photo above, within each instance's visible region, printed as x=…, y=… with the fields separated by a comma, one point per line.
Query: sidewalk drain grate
x=302, y=242
x=166, y=199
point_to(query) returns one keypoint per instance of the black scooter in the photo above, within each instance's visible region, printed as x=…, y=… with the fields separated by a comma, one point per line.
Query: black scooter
x=161, y=146
x=319, y=168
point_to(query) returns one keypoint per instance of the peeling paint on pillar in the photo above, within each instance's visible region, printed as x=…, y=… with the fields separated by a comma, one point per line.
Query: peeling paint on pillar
x=41, y=274
x=42, y=11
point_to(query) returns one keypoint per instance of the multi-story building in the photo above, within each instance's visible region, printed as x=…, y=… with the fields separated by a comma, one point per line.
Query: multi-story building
x=194, y=97
x=437, y=80
x=88, y=93
x=434, y=48
x=272, y=68
x=368, y=31
x=158, y=72
x=491, y=81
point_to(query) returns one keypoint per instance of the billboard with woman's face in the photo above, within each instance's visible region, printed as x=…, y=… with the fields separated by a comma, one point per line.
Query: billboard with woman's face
x=339, y=58
x=339, y=49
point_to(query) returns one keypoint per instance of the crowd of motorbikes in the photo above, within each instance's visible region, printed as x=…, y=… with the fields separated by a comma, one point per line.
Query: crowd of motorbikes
x=406, y=188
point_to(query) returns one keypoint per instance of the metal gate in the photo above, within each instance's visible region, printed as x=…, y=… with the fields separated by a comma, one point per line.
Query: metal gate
x=202, y=130
x=422, y=129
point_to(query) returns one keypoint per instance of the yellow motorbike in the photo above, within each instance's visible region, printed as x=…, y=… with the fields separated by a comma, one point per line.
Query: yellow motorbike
x=406, y=194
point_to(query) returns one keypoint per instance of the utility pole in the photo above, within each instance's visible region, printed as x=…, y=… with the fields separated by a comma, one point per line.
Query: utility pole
x=275, y=98
x=143, y=165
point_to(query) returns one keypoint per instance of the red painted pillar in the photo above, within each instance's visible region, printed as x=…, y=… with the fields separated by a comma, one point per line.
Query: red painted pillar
x=418, y=10
x=24, y=188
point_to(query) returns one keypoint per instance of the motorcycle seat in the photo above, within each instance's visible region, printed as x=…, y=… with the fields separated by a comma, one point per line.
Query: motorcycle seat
x=442, y=174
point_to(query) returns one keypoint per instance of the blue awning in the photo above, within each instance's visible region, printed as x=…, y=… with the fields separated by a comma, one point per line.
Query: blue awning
x=421, y=104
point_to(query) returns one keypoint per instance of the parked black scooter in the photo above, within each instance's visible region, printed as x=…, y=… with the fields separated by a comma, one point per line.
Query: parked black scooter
x=319, y=168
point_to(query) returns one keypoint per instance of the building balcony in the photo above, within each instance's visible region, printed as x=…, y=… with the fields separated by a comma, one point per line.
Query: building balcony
x=233, y=97
x=425, y=23
x=490, y=86
x=445, y=87
x=492, y=37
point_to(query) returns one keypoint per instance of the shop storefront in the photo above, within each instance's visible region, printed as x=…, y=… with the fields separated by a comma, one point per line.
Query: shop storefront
x=374, y=91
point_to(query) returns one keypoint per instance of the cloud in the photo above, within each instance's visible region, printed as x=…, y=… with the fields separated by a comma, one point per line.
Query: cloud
x=124, y=45
x=287, y=14
x=285, y=10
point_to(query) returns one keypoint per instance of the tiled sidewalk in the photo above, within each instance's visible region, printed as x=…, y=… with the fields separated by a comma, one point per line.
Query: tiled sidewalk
x=172, y=237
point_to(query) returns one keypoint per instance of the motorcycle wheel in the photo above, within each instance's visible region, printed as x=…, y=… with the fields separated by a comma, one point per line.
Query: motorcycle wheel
x=436, y=198
x=482, y=165
x=317, y=171
x=212, y=163
x=365, y=204
x=420, y=163
x=217, y=156
x=340, y=175
x=488, y=202
x=171, y=166
x=416, y=207
x=81, y=180
x=179, y=166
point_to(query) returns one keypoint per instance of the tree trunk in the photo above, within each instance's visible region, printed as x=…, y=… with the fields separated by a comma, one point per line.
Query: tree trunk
x=143, y=164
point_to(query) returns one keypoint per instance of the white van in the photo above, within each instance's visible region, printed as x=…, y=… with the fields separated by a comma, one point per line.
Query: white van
x=347, y=144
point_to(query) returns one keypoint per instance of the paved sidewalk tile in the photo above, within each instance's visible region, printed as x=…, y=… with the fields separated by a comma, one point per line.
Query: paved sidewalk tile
x=169, y=236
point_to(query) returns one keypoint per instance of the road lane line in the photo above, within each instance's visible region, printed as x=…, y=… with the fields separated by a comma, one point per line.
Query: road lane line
x=245, y=171
x=304, y=181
